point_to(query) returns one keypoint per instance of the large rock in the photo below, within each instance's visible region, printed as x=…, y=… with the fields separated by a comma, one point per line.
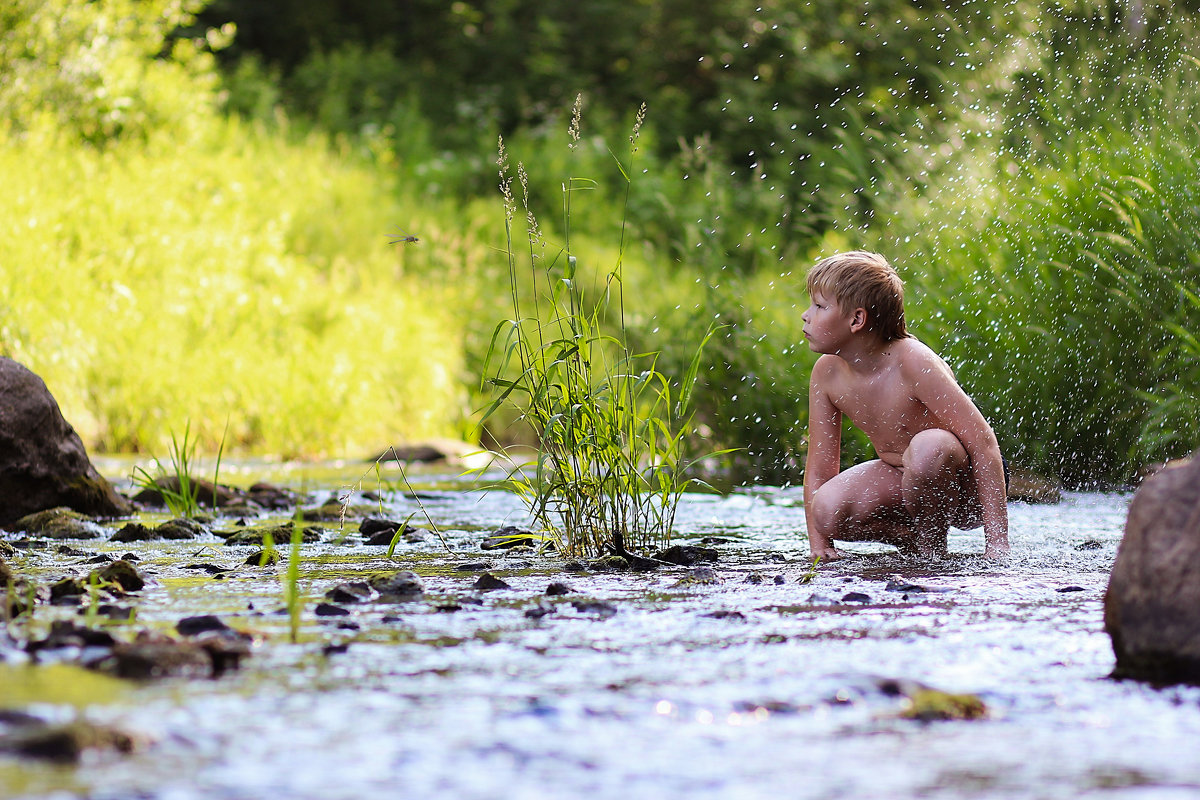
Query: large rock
x=43, y=463
x=1152, y=607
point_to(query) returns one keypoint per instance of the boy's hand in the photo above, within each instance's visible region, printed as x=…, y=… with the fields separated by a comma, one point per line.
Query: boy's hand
x=826, y=555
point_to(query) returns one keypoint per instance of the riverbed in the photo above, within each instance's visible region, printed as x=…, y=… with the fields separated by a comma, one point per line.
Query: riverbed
x=760, y=678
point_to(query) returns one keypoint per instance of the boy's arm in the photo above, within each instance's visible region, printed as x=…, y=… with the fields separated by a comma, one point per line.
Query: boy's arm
x=824, y=452
x=937, y=388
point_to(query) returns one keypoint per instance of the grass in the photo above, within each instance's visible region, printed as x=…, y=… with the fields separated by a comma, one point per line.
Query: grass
x=292, y=595
x=610, y=462
x=239, y=276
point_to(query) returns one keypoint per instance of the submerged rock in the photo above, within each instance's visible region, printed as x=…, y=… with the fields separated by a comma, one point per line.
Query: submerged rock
x=350, y=592
x=206, y=493
x=281, y=535
x=509, y=536
x=398, y=587
x=121, y=574
x=172, y=530
x=1152, y=605
x=58, y=523
x=63, y=743
x=687, y=555
x=43, y=463
x=488, y=582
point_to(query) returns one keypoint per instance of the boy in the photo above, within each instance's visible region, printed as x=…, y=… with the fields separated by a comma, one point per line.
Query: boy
x=938, y=461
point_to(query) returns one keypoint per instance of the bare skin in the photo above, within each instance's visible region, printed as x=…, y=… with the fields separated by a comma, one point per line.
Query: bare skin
x=939, y=463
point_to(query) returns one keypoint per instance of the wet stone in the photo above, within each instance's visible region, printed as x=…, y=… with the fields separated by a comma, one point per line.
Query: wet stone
x=1066, y=589
x=737, y=616
x=610, y=563
x=856, y=597
x=114, y=612
x=506, y=537
x=281, y=535
x=67, y=588
x=558, y=589
x=62, y=743
x=121, y=573
x=687, y=555
x=351, y=592
x=65, y=633
x=386, y=537
x=58, y=523
x=211, y=569
x=262, y=558
x=203, y=623
x=699, y=576
x=151, y=657
x=330, y=610
x=488, y=582
x=471, y=566
x=540, y=610
x=597, y=607
x=1090, y=544
x=398, y=587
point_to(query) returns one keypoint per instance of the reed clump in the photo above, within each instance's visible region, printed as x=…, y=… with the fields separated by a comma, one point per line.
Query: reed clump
x=610, y=461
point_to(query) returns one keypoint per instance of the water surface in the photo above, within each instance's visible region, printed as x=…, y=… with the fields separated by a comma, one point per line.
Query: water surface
x=729, y=689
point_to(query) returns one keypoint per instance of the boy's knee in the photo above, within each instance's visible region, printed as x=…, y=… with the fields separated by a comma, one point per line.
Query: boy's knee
x=828, y=507
x=935, y=450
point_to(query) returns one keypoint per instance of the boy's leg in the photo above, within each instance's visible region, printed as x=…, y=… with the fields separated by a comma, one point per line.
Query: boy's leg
x=936, y=469
x=864, y=503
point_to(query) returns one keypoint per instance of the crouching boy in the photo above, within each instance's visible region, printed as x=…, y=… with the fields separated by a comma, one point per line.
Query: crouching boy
x=938, y=461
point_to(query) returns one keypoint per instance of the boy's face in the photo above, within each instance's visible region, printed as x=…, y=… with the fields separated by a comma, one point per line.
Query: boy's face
x=826, y=326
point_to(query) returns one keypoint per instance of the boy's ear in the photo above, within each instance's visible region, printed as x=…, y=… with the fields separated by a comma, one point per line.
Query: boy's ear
x=858, y=320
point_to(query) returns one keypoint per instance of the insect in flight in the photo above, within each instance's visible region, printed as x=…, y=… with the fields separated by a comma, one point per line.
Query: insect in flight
x=402, y=237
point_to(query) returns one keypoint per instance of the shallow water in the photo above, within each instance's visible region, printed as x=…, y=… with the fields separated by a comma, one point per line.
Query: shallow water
x=779, y=696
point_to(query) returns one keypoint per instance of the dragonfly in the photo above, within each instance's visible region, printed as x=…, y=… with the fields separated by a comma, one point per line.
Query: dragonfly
x=402, y=238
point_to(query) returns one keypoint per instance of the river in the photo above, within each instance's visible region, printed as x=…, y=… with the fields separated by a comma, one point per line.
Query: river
x=658, y=686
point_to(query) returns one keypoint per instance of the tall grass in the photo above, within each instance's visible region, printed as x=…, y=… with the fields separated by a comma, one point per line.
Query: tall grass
x=1061, y=283
x=610, y=462
x=242, y=277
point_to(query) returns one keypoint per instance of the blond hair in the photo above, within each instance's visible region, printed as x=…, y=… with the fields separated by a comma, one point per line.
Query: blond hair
x=861, y=279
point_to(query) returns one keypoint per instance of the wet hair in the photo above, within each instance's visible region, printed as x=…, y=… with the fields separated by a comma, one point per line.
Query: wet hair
x=861, y=279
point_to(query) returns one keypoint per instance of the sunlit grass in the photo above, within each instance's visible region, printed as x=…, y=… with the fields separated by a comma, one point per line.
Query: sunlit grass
x=247, y=278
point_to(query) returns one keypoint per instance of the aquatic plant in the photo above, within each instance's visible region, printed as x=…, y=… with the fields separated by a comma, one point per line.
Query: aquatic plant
x=293, y=600
x=182, y=496
x=609, y=465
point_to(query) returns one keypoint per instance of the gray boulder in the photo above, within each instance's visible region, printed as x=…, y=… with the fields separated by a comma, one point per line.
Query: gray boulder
x=43, y=463
x=1152, y=607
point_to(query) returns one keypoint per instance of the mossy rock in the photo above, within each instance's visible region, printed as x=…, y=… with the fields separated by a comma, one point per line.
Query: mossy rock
x=928, y=705
x=64, y=743
x=610, y=563
x=58, y=523
x=121, y=573
x=281, y=535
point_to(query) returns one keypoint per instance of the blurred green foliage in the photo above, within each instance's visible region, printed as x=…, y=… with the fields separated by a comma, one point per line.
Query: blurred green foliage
x=198, y=195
